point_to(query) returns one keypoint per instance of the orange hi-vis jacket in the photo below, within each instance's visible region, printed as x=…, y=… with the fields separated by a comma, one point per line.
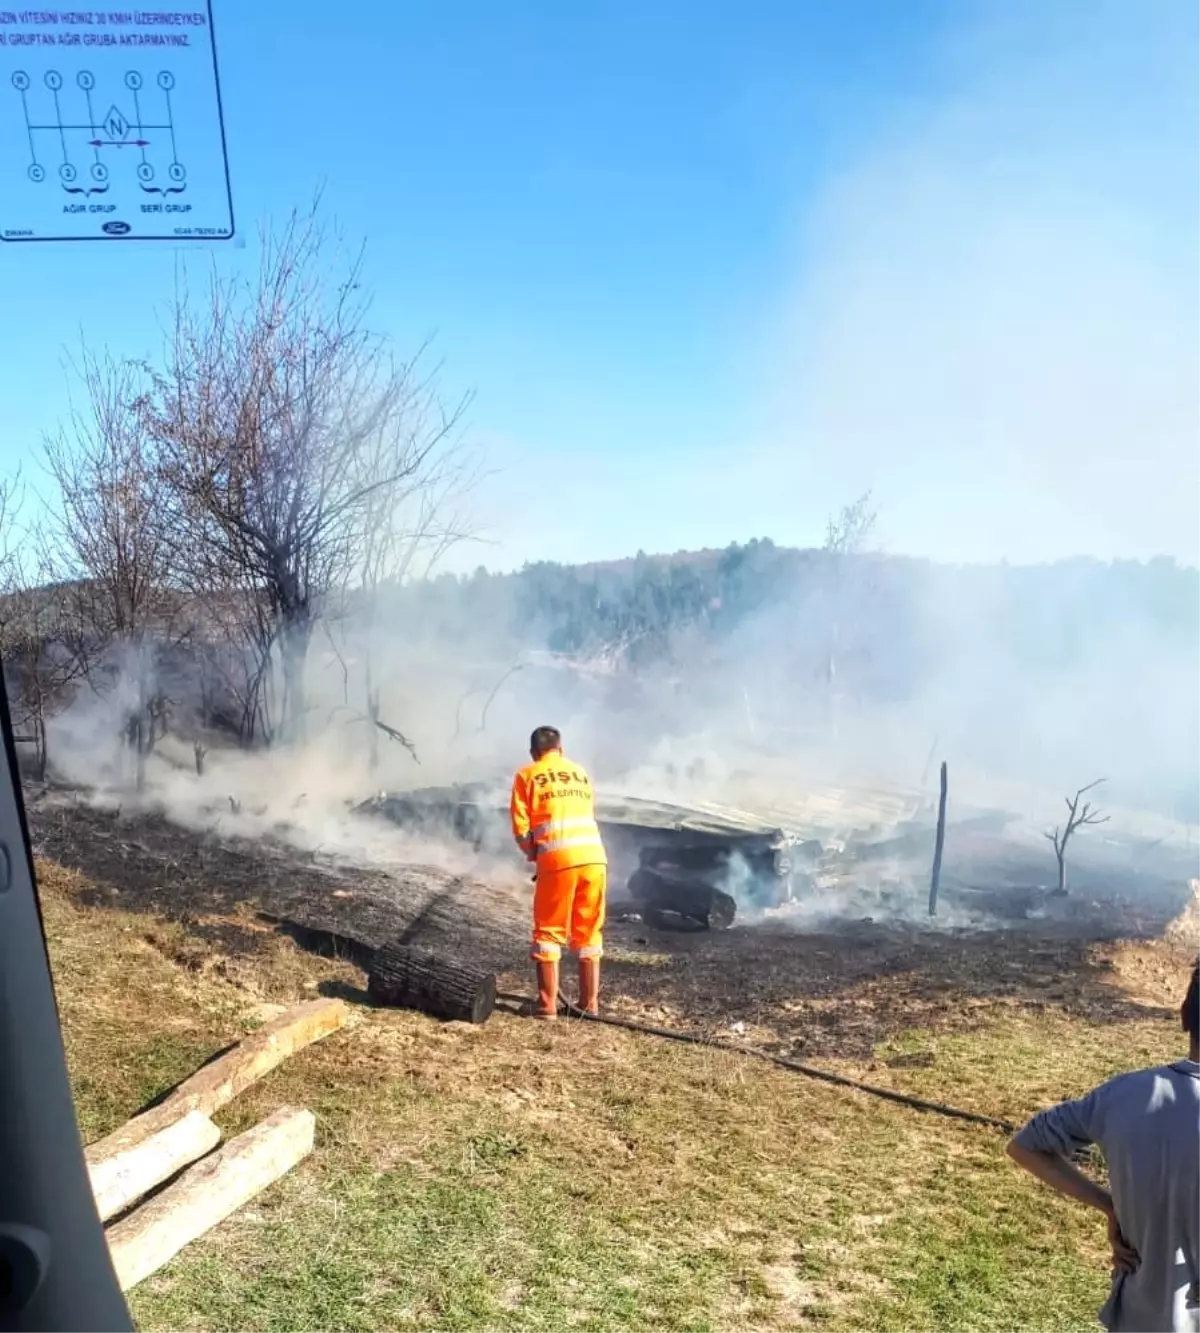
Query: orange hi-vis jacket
x=553, y=812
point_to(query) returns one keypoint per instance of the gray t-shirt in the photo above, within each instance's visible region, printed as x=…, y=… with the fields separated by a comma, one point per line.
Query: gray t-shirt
x=1147, y=1124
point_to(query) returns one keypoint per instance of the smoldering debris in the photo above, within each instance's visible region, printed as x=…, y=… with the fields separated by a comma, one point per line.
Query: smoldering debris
x=672, y=861
x=705, y=866
x=789, y=986
x=667, y=901
x=808, y=858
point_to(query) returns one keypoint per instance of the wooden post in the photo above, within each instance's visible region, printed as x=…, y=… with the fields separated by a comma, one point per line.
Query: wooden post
x=938, y=845
x=207, y=1194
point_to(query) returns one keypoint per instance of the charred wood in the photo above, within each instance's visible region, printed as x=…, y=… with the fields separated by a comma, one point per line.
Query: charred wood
x=696, y=901
x=432, y=984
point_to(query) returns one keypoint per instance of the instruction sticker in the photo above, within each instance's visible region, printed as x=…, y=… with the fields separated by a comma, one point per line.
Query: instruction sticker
x=111, y=126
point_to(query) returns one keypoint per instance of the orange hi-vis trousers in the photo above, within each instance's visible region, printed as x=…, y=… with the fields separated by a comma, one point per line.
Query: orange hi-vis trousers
x=568, y=912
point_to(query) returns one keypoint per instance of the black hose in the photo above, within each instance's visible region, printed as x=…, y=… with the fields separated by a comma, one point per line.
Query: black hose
x=809, y=1071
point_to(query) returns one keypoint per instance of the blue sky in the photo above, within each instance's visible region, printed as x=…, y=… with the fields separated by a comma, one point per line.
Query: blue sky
x=713, y=270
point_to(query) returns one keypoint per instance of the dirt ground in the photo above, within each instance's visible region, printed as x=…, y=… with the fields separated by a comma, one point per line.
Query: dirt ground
x=832, y=992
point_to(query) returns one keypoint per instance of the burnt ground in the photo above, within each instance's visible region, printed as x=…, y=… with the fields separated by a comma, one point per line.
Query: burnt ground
x=827, y=991
x=140, y=861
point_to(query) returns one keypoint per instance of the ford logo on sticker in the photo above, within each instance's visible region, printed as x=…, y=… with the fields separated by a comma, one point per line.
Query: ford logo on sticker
x=116, y=228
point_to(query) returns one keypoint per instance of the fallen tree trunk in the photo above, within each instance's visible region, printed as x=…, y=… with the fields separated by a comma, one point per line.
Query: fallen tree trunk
x=208, y=1193
x=443, y=987
x=220, y=1082
x=125, y=1177
x=709, y=906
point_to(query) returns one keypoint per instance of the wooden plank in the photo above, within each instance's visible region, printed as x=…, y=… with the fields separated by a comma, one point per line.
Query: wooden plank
x=220, y=1082
x=207, y=1193
x=125, y=1177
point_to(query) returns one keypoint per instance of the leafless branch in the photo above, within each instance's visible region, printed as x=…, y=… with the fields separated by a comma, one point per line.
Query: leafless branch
x=512, y=671
x=397, y=736
x=1077, y=817
x=849, y=532
x=392, y=733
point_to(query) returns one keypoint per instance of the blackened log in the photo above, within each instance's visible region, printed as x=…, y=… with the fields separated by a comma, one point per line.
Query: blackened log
x=431, y=983
x=700, y=902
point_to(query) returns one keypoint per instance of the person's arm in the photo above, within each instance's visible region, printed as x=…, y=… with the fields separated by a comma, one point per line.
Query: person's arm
x=1043, y=1148
x=519, y=813
x=1062, y=1175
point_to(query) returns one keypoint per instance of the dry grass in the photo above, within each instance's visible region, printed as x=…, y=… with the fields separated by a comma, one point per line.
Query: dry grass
x=524, y=1177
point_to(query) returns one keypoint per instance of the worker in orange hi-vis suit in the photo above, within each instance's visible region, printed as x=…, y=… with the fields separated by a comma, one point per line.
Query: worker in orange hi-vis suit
x=554, y=823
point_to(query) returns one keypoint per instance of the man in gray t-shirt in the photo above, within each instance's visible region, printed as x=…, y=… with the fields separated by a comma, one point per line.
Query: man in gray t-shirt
x=1147, y=1124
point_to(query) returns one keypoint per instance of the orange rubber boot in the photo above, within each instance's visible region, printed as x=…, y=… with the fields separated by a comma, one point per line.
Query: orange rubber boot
x=589, y=985
x=547, y=984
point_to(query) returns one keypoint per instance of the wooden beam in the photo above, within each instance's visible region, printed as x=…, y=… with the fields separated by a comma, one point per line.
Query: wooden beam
x=220, y=1082
x=207, y=1193
x=125, y=1177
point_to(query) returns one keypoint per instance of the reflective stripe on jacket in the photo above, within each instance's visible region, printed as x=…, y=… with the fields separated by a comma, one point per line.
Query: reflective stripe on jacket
x=553, y=814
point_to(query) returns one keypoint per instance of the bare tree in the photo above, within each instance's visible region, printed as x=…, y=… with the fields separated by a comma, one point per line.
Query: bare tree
x=46, y=642
x=111, y=530
x=1077, y=817
x=285, y=425
x=846, y=536
x=12, y=495
x=849, y=531
x=43, y=640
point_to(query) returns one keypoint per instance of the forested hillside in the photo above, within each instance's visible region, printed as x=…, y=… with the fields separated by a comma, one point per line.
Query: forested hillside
x=1056, y=613
x=1061, y=672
